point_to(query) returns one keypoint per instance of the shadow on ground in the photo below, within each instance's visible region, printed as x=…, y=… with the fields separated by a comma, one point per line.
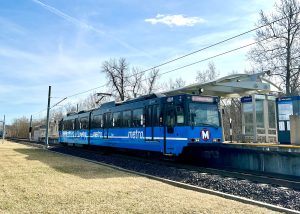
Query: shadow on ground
x=71, y=165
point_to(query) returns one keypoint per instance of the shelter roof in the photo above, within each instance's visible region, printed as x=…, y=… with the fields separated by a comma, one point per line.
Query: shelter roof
x=235, y=85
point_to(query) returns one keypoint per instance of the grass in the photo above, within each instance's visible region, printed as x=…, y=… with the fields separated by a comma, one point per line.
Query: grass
x=37, y=181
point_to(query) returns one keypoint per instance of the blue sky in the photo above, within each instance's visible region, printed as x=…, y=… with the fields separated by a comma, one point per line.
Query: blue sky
x=62, y=43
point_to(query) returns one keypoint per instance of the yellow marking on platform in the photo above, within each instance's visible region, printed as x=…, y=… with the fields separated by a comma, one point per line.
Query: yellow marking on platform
x=289, y=146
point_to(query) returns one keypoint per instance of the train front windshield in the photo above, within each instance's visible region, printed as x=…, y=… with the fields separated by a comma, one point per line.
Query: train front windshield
x=202, y=114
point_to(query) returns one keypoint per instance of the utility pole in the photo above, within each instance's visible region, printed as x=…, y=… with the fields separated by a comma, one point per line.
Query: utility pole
x=3, y=135
x=3, y=129
x=30, y=128
x=47, y=125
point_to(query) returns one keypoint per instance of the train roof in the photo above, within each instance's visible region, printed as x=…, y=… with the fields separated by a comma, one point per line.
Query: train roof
x=144, y=97
x=138, y=101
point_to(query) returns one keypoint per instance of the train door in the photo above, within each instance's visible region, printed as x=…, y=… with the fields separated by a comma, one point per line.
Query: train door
x=76, y=130
x=169, y=129
x=153, y=128
x=107, y=124
x=149, y=128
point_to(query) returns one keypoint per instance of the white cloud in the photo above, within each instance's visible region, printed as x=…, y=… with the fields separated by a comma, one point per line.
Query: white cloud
x=175, y=20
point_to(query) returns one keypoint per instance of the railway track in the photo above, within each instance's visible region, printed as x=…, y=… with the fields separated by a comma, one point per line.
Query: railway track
x=264, y=190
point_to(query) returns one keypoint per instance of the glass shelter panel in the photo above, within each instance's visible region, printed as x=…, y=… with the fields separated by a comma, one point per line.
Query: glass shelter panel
x=248, y=114
x=272, y=118
x=260, y=113
x=259, y=118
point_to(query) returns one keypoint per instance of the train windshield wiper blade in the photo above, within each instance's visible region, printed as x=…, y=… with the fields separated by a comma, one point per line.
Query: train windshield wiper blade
x=208, y=124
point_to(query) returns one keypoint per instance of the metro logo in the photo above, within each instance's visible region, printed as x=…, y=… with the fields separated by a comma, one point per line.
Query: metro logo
x=205, y=135
x=136, y=134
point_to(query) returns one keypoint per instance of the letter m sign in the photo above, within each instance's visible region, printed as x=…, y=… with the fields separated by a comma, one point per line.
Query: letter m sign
x=205, y=135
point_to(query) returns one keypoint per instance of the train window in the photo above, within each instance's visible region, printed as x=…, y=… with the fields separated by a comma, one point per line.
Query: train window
x=126, y=118
x=84, y=123
x=170, y=119
x=107, y=120
x=179, y=115
x=156, y=115
x=76, y=124
x=116, y=119
x=137, y=117
x=62, y=125
x=204, y=114
x=70, y=125
x=149, y=116
x=66, y=125
x=97, y=121
x=59, y=126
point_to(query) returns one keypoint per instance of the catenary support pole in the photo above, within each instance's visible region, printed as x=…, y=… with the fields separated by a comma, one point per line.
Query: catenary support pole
x=230, y=129
x=30, y=128
x=47, y=125
x=3, y=135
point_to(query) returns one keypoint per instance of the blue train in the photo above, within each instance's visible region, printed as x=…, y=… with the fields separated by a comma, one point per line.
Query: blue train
x=157, y=123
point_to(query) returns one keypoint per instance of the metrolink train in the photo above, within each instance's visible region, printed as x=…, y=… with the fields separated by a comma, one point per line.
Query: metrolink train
x=156, y=123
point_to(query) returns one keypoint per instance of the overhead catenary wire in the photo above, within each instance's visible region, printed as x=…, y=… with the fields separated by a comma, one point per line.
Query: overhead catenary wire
x=188, y=65
x=191, y=53
x=166, y=72
x=208, y=58
x=218, y=43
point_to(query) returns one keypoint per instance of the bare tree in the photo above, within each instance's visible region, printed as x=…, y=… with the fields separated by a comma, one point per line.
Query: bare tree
x=117, y=76
x=151, y=81
x=210, y=73
x=251, y=71
x=177, y=83
x=93, y=100
x=278, y=46
x=233, y=72
x=135, y=80
x=140, y=83
x=69, y=107
x=127, y=83
x=19, y=127
x=56, y=114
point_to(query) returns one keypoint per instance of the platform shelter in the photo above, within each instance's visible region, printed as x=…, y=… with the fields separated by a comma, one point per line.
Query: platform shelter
x=259, y=119
x=257, y=126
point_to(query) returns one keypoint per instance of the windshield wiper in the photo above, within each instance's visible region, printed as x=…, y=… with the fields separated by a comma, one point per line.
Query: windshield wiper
x=208, y=124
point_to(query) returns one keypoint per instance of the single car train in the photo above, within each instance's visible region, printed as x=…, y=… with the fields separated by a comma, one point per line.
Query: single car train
x=157, y=123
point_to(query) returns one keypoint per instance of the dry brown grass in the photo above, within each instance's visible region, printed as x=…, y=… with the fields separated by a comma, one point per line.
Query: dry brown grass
x=37, y=181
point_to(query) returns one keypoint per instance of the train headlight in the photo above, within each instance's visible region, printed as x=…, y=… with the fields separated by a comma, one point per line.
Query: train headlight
x=195, y=140
x=216, y=140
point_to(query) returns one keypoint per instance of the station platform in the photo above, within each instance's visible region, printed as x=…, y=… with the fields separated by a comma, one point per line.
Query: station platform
x=263, y=146
x=282, y=160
